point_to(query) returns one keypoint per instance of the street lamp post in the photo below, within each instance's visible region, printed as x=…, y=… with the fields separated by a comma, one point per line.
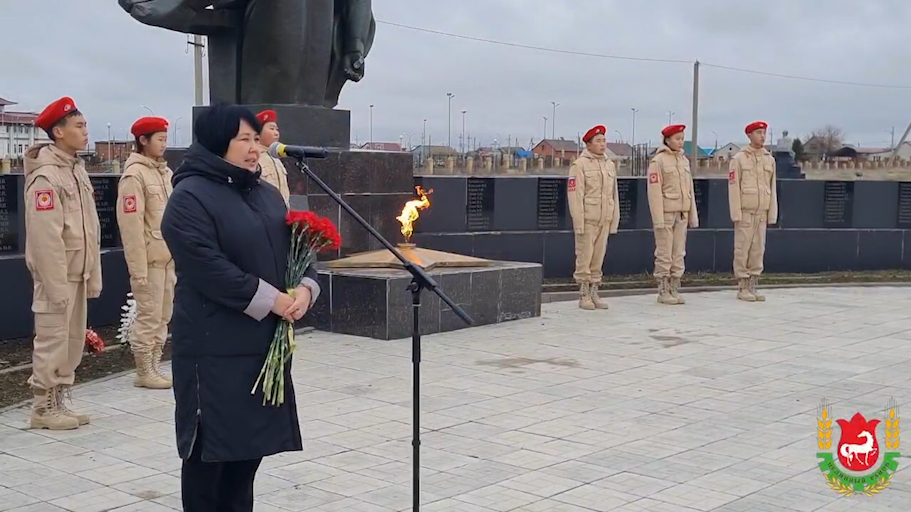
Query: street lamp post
x=670, y=117
x=370, y=144
x=423, y=141
x=176, y=128
x=449, y=120
x=545, y=126
x=463, y=141
x=147, y=108
x=632, y=139
x=620, y=136
x=110, y=144
x=553, y=121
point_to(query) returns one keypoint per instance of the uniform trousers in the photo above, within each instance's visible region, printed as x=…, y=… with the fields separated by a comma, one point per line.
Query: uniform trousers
x=59, y=336
x=154, y=307
x=749, y=244
x=591, y=246
x=670, y=245
x=216, y=486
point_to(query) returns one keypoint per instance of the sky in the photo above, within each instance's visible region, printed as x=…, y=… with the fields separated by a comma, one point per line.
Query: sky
x=113, y=66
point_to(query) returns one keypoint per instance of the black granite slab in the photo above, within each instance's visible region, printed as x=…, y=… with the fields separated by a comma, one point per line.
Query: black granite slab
x=11, y=222
x=106, y=204
x=376, y=304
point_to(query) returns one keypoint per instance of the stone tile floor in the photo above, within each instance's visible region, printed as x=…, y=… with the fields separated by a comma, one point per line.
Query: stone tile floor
x=643, y=408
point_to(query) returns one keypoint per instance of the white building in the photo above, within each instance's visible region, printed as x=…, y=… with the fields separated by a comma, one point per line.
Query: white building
x=17, y=131
x=726, y=152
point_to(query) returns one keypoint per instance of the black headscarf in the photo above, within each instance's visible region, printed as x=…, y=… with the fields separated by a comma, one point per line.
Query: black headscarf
x=217, y=125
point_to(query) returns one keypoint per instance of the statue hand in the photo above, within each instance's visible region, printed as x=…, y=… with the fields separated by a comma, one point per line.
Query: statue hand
x=353, y=65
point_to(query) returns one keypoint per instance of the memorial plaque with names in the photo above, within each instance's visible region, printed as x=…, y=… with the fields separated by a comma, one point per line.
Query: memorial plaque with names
x=701, y=192
x=627, y=194
x=9, y=215
x=552, y=204
x=106, y=204
x=904, y=205
x=838, y=204
x=480, y=204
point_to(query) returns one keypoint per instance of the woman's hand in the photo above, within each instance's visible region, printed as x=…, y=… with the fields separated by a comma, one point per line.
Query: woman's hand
x=280, y=307
x=300, y=304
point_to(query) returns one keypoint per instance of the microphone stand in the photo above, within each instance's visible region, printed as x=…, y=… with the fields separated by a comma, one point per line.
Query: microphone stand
x=420, y=280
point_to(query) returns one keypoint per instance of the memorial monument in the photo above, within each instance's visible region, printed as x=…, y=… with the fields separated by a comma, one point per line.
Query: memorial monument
x=291, y=56
x=364, y=290
x=784, y=158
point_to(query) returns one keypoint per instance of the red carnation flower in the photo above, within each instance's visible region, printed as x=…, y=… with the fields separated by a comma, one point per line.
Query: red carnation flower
x=93, y=342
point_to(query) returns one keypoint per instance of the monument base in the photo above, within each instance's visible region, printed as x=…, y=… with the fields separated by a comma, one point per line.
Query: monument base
x=375, y=303
x=303, y=125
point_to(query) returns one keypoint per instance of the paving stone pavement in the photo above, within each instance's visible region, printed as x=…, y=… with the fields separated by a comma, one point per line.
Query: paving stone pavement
x=709, y=406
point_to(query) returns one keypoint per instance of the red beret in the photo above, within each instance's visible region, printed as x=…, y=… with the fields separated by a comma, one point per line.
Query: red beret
x=672, y=129
x=758, y=125
x=597, y=130
x=55, y=112
x=267, y=116
x=148, y=125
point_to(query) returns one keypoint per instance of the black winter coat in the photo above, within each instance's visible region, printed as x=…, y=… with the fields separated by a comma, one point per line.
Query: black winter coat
x=226, y=231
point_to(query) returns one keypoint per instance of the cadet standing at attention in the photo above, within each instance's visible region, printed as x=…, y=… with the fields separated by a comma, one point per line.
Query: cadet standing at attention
x=673, y=206
x=63, y=254
x=141, y=199
x=274, y=171
x=754, y=205
x=595, y=211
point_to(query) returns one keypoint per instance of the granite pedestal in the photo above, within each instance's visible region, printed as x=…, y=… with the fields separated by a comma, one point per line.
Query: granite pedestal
x=376, y=304
x=304, y=125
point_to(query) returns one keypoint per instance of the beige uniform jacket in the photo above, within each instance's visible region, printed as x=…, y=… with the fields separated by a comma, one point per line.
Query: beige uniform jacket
x=63, y=234
x=274, y=173
x=142, y=195
x=751, y=184
x=592, y=192
x=670, y=186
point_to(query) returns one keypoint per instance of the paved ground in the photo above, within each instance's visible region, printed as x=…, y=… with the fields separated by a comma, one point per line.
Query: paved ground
x=644, y=408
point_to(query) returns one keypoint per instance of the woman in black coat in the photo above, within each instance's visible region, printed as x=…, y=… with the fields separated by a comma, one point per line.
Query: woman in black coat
x=226, y=231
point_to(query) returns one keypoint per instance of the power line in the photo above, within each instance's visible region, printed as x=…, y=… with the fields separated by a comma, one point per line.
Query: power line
x=639, y=59
x=529, y=47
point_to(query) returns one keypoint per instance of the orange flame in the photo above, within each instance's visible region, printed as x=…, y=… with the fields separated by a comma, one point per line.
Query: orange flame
x=410, y=212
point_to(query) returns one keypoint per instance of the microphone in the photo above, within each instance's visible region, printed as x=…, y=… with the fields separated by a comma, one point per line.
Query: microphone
x=279, y=150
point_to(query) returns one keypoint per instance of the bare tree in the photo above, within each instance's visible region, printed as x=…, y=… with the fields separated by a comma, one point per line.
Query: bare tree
x=826, y=140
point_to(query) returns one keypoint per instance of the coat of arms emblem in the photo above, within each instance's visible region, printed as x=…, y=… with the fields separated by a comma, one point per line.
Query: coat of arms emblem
x=858, y=451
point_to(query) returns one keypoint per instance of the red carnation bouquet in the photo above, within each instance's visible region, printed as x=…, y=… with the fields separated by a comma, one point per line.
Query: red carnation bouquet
x=310, y=234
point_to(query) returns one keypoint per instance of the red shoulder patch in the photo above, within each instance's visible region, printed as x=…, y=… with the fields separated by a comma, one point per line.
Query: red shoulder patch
x=129, y=204
x=44, y=200
x=571, y=185
x=653, y=177
x=732, y=176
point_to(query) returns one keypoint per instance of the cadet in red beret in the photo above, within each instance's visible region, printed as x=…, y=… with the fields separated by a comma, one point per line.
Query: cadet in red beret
x=753, y=198
x=595, y=210
x=672, y=202
x=142, y=196
x=274, y=171
x=63, y=254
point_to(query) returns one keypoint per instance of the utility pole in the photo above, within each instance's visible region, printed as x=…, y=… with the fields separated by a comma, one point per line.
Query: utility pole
x=197, y=67
x=632, y=139
x=553, y=122
x=449, y=122
x=695, y=149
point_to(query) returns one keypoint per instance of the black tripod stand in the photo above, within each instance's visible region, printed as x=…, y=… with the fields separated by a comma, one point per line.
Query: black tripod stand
x=420, y=280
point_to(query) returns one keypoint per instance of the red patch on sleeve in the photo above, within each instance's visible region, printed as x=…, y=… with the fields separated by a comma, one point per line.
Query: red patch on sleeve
x=129, y=204
x=653, y=177
x=44, y=200
x=571, y=184
x=732, y=176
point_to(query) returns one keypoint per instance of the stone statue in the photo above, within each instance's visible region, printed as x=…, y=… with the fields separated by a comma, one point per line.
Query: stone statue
x=784, y=144
x=285, y=52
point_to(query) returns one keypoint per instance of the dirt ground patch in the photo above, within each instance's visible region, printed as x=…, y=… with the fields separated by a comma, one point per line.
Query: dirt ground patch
x=18, y=352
